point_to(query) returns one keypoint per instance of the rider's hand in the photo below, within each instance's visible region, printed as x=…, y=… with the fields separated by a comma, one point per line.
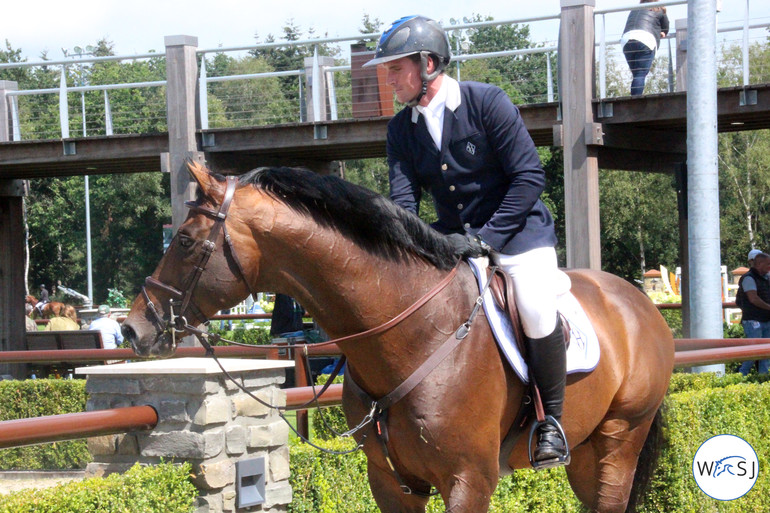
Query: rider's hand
x=467, y=245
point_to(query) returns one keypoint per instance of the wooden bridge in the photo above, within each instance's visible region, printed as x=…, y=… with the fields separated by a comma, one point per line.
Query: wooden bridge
x=645, y=133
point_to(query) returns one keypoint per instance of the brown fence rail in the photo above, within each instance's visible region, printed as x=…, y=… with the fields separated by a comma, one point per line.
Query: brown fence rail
x=71, y=426
x=689, y=352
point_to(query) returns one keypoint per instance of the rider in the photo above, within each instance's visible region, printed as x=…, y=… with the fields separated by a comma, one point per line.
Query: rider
x=466, y=144
x=43, y=298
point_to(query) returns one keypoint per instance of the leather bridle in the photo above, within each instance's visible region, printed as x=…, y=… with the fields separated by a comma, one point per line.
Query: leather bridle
x=181, y=300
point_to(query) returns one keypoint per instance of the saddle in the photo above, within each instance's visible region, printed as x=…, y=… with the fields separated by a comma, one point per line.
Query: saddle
x=502, y=289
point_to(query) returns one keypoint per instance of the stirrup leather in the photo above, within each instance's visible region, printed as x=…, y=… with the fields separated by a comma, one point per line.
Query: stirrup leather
x=552, y=462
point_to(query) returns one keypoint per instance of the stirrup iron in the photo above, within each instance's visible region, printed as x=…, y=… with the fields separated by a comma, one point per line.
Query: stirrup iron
x=552, y=462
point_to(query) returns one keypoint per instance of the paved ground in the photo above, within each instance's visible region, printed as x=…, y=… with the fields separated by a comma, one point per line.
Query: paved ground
x=13, y=481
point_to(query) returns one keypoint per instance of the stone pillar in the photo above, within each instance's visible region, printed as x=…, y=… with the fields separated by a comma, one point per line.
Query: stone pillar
x=581, y=165
x=205, y=419
x=181, y=86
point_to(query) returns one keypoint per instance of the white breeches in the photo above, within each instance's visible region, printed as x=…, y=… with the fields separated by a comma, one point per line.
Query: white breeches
x=537, y=280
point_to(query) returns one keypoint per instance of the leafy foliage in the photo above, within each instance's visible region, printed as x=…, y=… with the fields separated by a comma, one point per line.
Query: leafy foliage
x=38, y=398
x=165, y=487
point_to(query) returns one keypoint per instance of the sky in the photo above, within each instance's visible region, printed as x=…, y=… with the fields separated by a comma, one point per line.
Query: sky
x=140, y=26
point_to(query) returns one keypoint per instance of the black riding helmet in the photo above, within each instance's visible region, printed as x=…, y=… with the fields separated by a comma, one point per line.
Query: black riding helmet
x=414, y=35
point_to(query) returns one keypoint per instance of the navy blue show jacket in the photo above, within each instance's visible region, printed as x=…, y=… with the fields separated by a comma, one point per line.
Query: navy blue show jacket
x=486, y=179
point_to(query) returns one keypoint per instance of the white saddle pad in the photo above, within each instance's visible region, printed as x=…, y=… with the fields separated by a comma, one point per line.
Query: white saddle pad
x=583, y=351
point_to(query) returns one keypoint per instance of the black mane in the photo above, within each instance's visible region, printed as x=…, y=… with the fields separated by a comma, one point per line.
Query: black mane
x=374, y=223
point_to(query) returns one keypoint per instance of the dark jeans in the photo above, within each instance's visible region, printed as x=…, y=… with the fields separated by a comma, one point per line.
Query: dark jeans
x=756, y=329
x=639, y=59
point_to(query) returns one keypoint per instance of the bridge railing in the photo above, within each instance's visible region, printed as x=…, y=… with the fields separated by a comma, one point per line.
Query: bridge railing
x=237, y=89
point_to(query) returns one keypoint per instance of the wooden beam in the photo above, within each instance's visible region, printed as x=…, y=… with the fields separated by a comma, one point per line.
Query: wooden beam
x=181, y=85
x=12, y=289
x=581, y=167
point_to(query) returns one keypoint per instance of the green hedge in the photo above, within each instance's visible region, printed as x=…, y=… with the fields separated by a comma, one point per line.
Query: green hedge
x=164, y=488
x=38, y=398
x=698, y=407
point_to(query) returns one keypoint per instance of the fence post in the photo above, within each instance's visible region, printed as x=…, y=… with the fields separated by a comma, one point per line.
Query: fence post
x=581, y=166
x=64, y=113
x=316, y=87
x=238, y=447
x=181, y=85
x=5, y=108
x=681, y=54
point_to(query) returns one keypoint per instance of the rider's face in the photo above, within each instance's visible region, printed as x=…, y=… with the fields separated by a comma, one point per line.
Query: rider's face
x=404, y=76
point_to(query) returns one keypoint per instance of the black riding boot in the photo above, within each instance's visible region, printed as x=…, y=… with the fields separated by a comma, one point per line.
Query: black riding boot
x=548, y=366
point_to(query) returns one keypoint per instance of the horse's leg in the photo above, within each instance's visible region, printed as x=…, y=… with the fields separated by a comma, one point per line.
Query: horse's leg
x=602, y=469
x=389, y=496
x=470, y=491
x=465, y=492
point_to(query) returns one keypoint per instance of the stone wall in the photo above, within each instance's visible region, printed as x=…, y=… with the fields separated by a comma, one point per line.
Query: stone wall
x=204, y=418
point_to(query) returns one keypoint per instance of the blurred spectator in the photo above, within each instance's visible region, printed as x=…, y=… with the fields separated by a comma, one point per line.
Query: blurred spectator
x=29, y=322
x=111, y=334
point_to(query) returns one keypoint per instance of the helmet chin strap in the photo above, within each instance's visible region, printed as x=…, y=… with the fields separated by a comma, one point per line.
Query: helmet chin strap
x=416, y=100
x=426, y=78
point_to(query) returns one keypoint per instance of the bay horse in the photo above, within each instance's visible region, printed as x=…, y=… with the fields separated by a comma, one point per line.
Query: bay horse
x=50, y=309
x=355, y=260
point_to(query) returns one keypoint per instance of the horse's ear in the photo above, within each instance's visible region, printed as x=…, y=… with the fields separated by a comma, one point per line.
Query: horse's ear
x=200, y=174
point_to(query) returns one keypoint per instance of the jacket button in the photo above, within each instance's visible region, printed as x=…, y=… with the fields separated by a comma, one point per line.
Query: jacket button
x=459, y=206
x=467, y=226
x=451, y=187
x=444, y=167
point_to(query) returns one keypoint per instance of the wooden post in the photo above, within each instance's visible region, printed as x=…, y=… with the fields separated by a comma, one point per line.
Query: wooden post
x=581, y=167
x=681, y=54
x=181, y=86
x=323, y=88
x=5, y=108
x=681, y=181
x=12, y=290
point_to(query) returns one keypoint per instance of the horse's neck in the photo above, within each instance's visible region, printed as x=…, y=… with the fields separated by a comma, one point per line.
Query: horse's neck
x=344, y=288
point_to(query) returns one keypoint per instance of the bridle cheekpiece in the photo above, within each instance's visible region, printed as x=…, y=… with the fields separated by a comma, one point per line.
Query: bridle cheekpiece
x=181, y=304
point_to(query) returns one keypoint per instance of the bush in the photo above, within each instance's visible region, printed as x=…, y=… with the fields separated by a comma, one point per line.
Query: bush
x=698, y=407
x=255, y=336
x=38, y=398
x=161, y=488
x=328, y=422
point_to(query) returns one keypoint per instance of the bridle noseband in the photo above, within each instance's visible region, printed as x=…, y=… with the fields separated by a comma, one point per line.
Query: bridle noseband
x=182, y=299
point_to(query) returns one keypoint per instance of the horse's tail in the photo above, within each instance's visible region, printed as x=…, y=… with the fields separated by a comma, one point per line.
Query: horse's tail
x=648, y=459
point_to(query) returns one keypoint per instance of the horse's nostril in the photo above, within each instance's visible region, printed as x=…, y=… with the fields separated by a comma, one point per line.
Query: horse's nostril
x=128, y=333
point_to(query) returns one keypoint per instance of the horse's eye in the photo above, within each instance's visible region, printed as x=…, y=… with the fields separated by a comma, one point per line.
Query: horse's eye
x=186, y=242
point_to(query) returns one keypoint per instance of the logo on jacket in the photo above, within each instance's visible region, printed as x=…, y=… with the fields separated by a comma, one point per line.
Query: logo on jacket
x=725, y=467
x=470, y=148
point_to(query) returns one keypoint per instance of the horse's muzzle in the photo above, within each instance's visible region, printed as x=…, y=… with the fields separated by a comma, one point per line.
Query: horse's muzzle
x=158, y=344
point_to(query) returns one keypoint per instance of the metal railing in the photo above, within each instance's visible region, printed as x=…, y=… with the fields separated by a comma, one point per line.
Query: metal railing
x=232, y=110
x=338, y=74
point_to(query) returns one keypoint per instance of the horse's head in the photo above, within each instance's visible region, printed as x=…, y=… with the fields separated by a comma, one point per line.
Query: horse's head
x=199, y=275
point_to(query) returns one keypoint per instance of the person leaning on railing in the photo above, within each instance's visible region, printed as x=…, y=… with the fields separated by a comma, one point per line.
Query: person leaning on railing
x=640, y=41
x=753, y=298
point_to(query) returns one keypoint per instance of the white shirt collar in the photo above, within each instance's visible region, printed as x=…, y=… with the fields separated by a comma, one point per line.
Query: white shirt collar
x=447, y=96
